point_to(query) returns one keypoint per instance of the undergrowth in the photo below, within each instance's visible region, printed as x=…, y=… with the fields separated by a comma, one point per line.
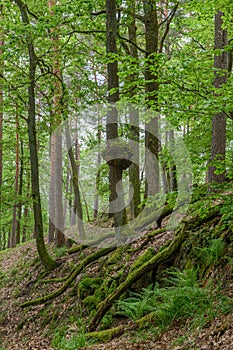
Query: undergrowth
x=70, y=338
x=181, y=299
x=212, y=253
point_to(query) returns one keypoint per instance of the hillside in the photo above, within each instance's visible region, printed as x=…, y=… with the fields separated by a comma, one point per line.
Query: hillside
x=184, y=278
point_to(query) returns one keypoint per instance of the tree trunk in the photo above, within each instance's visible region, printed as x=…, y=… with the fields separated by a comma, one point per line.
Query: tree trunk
x=67, y=183
x=59, y=218
x=112, y=67
x=14, y=217
x=173, y=170
x=218, y=147
x=20, y=193
x=25, y=210
x=58, y=186
x=51, y=233
x=98, y=163
x=77, y=159
x=151, y=89
x=115, y=173
x=19, y=207
x=75, y=177
x=46, y=260
x=134, y=172
x=113, y=82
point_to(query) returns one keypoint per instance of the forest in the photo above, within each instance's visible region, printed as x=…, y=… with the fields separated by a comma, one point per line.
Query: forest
x=116, y=180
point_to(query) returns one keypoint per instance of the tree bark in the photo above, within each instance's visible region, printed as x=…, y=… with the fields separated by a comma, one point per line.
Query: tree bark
x=151, y=89
x=14, y=238
x=59, y=218
x=134, y=171
x=98, y=163
x=51, y=234
x=75, y=177
x=57, y=186
x=113, y=81
x=19, y=207
x=25, y=210
x=115, y=173
x=173, y=170
x=76, y=155
x=45, y=258
x=218, y=147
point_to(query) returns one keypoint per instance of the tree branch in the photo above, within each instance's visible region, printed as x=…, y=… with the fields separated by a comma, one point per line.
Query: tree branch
x=132, y=43
x=101, y=12
x=168, y=20
x=140, y=17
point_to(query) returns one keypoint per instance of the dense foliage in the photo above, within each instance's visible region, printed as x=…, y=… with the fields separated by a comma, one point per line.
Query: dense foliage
x=71, y=79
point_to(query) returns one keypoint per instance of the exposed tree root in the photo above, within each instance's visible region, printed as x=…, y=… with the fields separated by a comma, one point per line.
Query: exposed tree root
x=157, y=216
x=110, y=333
x=150, y=236
x=71, y=278
x=161, y=257
x=56, y=280
x=135, y=275
x=77, y=249
x=142, y=323
x=91, y=243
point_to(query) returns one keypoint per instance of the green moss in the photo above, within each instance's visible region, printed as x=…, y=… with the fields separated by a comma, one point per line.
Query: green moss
x=110, y=285
x=147, y=320
x=105, y=335
x=91, y=292
x=106, y=321
x=116, y=256
x=114, y=269
x=142, y=259
x=189, y=264
x=90, y=258
x=88, y=286
x=90, y=302
x=165, y=246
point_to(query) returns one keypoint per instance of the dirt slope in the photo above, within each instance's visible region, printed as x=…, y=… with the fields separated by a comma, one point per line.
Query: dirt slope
x=26, y=329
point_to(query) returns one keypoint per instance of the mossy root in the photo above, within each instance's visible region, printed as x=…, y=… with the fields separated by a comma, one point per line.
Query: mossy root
x=85, y=262
x=181, y=234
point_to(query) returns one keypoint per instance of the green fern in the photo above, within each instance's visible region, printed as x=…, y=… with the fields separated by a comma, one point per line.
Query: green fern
x=136, y=306
x=181, y=299
x=211, y=254
x=177, y=278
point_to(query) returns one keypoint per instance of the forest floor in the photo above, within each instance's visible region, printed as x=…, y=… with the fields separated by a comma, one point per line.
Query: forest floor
x=22, y=328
